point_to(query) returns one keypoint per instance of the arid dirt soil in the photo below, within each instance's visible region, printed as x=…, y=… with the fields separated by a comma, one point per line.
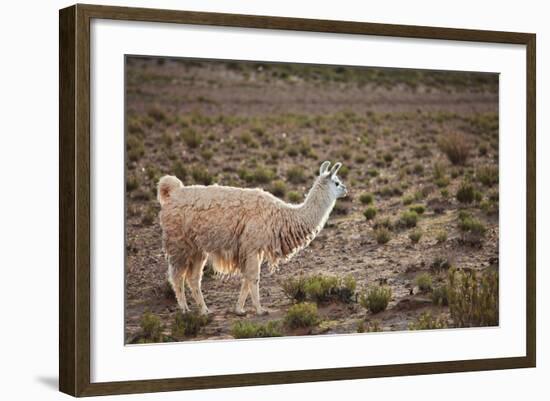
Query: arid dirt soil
x=259, y=125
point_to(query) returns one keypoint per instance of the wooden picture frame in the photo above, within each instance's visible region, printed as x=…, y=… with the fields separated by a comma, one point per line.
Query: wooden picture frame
x=75, y=207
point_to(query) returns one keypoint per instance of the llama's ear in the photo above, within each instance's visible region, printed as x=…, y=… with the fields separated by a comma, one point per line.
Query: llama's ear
x=335, y=168
x=324, y=168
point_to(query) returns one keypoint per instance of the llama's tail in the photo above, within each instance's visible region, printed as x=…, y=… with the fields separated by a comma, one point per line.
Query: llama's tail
x=167, y=185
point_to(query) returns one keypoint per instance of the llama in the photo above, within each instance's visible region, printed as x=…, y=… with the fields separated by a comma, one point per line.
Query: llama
x=237, y=229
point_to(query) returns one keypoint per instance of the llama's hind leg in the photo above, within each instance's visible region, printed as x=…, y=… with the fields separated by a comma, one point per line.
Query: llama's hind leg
x=177, y=280
x=194, y=280
x=252, y=276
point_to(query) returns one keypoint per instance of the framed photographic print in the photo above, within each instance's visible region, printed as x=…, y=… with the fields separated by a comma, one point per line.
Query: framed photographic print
x=250, y=200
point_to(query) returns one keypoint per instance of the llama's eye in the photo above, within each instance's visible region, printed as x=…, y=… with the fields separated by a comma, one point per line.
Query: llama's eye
x=337, y=184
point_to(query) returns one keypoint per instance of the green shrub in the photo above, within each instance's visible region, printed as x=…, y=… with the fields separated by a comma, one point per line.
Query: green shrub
x=294, y=288
x=343, y=172
x=153, y=173
x=419, y=209
x=167, y=139
x=424, y=282
x=294, y=197
x=471, y=225
x=151, y=328
x=440, y=295
x=415, y=236
x=320, y=288
x=278, y=188
x=456, y=147
x=382, y=235
x=131, y=183
x=188, y=324
x=407, y=200
x=179, y=170
x=149, y=216
x=473, y=301
x=201, y=175
x=244, y=329
x=370, y=213
x=302, y=315
x=247, y=139
x=385, y=222
x=409, y=219
x=465, y=193
x=376, y=298
x=440, y=263
x=366, y=198
x=489, y=207
x=373, y=172
x=426, y=322
x=418, y=169
x=441, y=236
x=207, y=154
x=295, y=175
x=487, y=175
x=192, y=138
x=157, y=113
x=389, y=191
x=135, y=148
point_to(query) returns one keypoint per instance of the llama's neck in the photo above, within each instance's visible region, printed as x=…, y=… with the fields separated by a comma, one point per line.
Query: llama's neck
x=301, y=223
x=316, y=208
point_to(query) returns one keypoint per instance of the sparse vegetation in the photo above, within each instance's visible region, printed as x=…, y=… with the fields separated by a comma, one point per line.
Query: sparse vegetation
x=302, y=315
x=192, y=138
x=441, y=236
x=278, y=188
x=456, y=147
x=440, y=295
x=244, y=329
x=424, y=282
x=418, y=209
x=409, y=219
x=366, y=198
x=370, y=213
x=320, y=288
x=465, y=193
x=151, y=328
x=415, y=236
x=295, y=175
x=473, y=300
x=188, y=324
x=487, y=175
x=294, y=197
x=201, y=175
x=426, y=322
x=382, y=235
x=376, y=298
x=470, y=225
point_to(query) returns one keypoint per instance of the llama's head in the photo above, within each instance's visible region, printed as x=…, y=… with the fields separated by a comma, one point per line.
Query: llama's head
x=331, y=180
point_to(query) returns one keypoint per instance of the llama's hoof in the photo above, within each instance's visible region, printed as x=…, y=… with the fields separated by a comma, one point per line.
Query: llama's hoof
x=205, y=311
x=262, y=312
x=240, y=312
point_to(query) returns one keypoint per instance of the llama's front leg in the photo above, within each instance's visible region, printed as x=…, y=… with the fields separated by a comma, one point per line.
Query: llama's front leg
x=245, y=289
x=195, y=284
x=177, y=280
x=252, y=276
